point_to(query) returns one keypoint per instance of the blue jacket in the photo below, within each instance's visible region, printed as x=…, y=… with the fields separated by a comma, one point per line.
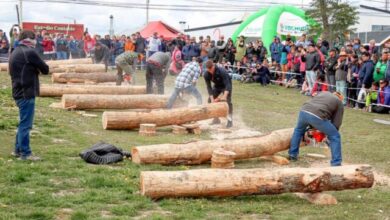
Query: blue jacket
x=387, y=96
x=74, y=46
x=366, y=73
x=276, y=50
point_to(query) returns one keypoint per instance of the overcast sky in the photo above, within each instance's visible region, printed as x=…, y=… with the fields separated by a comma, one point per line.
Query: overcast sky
x=127, y=20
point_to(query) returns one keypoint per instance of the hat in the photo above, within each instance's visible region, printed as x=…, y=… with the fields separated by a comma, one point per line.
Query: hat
x=343, y=53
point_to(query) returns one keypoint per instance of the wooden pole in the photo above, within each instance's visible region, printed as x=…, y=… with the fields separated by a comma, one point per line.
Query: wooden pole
x=131, y=120
x=200, y=152
x=92, y=101
x=237, y=182
x=57, y=90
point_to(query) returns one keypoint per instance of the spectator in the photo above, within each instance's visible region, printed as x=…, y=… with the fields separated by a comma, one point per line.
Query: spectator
x=177, y=63
x=341, y=76
x=221, y=45
x=320, y=85
x=118, y=47
x=240, y=49
x=61, y=47
x=372, y=48
x=330, y=69
x=154, y=43
x=356, y=45
x=383, y=101
x=129, y=45
x=366, y=72
x=212, y=52
x=263, y=75
x=249, y=51
x=13, y=34
x=39, y=46
x=312, y=60
x=49, y=52
x=230, y=51
x=276, y=50
x=89, y=44
x=353, y=69
x=3, y=36
x=164, y=45
x=388, y=69
x=372, y=96
x=74, y=48
x=24, y=67
x=4, y=48
x=302, y=41
x=193, y=50
x=380, y=68
x=106, y=41
x=337, y=44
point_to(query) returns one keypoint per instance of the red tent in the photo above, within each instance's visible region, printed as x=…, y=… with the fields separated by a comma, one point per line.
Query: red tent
x=161, y=28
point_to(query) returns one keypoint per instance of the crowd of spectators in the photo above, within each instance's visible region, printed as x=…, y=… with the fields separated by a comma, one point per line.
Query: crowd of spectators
x=360, y=72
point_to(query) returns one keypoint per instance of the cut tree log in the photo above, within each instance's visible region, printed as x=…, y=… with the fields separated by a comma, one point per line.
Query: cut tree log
x=236, y=182
x=90, y=101
x=176, y=129
x=222, y=159
x=201, y=151
x=79, y=68
x=83, y=77
x=55, y=63
x=147, y=129
x=58, y=90
x=4, y=67
x=131, y=120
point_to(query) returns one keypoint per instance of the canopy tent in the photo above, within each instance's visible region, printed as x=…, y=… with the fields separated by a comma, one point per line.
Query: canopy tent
x=279, y=20
x=161, y=28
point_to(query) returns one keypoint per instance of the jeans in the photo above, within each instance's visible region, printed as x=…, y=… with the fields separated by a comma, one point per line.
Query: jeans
x=341, y=87
x=331, y=80
x=305, y=119
x=26, y=118
x=154, y=72
x=190, y=89
x=311, y=79
x=61, y=55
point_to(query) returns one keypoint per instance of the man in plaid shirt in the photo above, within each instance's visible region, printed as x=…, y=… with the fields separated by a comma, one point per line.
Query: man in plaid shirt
x=186, y=81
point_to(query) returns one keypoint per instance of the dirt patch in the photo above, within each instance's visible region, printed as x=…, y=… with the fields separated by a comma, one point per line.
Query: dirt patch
x=58, y=141
x=106, y=214
x=63, y=214
x=381, y=179
x=148, y=214
x=70, y=192
x=71, y=181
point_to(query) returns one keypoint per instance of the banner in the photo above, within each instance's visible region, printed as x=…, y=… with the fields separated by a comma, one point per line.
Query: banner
x=76, y=30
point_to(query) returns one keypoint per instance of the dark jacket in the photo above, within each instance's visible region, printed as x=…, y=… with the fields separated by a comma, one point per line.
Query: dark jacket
x=330, y=65
x=140, y=45
x=212, y=53
x=102, y=55
x=24, y=67
x=326, y=106
x=342, y=71
x=220, y=78
x=366, y=73
x=312, y=61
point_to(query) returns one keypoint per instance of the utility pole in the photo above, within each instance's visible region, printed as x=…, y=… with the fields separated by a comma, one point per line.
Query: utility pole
x=21, y=13
x=387, y=5
x=147, y=12
x=111, y=26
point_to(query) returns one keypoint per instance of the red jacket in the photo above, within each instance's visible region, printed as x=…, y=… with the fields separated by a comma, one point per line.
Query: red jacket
x=48, y=45
x=319, y=88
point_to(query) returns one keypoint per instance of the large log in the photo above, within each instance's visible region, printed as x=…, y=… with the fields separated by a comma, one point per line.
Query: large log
x=58, y=90
x=201, y=151
x=4, y=67
x=93, y=101
x=131, y=120
x=79, y=68
x=56, y=63
x=83, y=77
x=230, y=182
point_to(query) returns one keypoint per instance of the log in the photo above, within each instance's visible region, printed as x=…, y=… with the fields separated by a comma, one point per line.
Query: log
x=147, y=129
x=80, y=68
x=90, y=101
x=201, y=151
x=237, y=182
x=4, y=67
x=222, y=159
x=176, y=129
x=83, y=77
x=55, y=63
x=131, y=120
x=58, y=90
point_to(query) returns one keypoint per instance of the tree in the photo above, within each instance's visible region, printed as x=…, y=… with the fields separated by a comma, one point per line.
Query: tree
x=333, y=17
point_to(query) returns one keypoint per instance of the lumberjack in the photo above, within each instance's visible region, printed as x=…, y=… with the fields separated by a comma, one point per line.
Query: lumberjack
x=222, y=86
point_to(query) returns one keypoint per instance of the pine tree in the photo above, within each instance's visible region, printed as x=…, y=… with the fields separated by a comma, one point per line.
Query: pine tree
x=334, y=18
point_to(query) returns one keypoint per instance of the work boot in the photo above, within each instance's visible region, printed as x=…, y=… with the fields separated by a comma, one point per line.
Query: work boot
x=229, y=124
x=292, y=158
x=215, y=121
x=30, y=158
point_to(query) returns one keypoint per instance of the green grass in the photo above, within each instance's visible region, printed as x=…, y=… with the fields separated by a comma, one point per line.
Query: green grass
x=62, y=186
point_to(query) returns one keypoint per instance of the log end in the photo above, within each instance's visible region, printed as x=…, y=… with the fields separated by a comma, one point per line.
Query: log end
x=135, y=156
x=104, y=121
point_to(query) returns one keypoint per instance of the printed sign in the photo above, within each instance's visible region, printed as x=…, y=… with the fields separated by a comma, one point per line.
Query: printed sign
x=77, y=30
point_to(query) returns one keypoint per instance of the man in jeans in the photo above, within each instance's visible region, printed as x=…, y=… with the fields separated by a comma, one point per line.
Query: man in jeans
x=24, y=67
x=312, y=60
x=157, y=69
x=186, y=81
x=324, y=112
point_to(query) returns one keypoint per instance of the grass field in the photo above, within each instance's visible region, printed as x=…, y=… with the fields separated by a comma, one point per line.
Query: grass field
x=62, y=186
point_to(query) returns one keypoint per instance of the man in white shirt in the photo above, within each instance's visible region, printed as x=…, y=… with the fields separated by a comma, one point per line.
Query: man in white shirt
x=154, y=44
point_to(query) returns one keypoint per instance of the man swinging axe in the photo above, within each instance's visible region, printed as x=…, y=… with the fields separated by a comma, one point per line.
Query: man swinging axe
x=323, y=112
x=222, y=87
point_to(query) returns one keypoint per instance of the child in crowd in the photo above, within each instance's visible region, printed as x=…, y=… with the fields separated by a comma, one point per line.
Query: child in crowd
x=372, y=96
x=319, y=85
x=383, y=101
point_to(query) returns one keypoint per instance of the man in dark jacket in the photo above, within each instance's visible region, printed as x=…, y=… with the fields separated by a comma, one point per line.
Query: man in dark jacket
x=312, y=60
x=101, y=54
x=24, y=67
x=324, y=112
x=366, y=72
x=330, y=69
x=222, y=87
x=212, y=52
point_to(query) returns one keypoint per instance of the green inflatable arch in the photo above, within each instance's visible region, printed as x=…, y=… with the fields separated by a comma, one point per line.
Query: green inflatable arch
x=270, y=25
